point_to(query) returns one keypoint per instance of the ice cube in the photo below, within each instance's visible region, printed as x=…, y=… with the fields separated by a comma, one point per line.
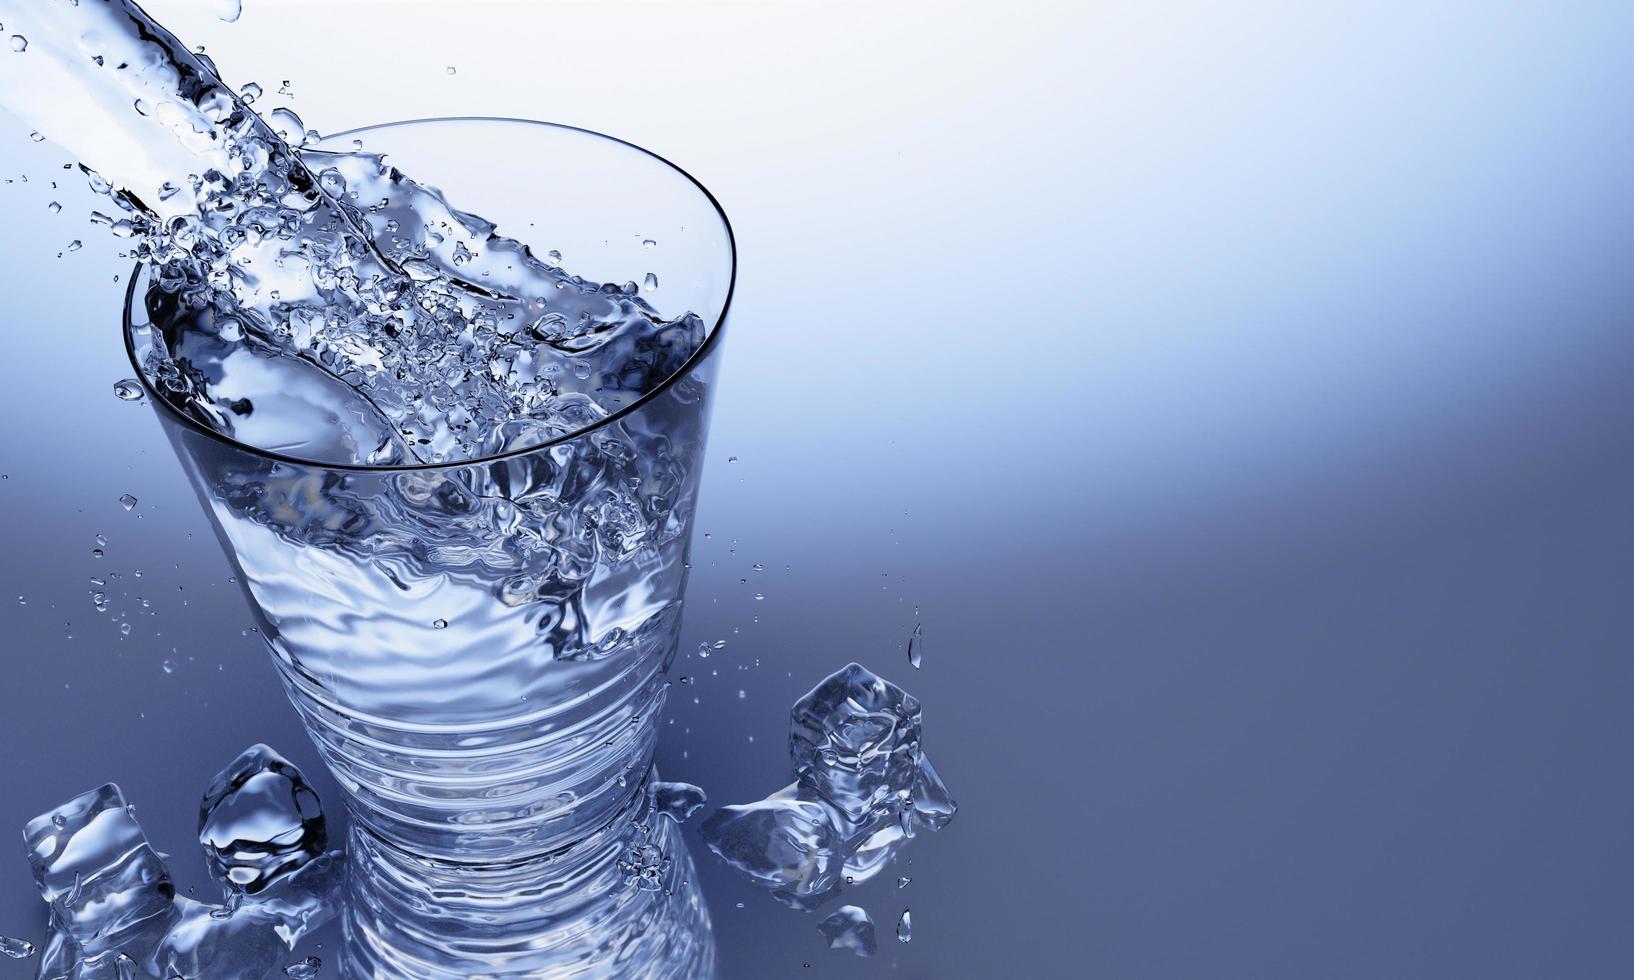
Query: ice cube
x=94, y=866
x=259, y=821
x=854, y=740
x=783, y=843
x=849, y=927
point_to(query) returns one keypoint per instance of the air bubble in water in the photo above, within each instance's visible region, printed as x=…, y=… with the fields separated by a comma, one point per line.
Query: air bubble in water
x=128, y=390
x=127, y=501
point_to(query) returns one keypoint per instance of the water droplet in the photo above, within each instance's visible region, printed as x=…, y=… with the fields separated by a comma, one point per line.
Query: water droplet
x=17, y=949
x=250, y=92
x=703, y=650
x=286, y=123
x=904, y=927
x=75, y=245
x=451, y=69
x=647, y=243
x=720, y=644
x=54, y=207
x=127, y=501
x=916, y=645
x=96, y=552
x=759, y=596
x=128, y=390
x=19, y=42
x=903, y=881
x=169, y=666
x=440, y=624
x=229, y=10
x=650, y=283
x=742, y=694
x=36, y=136
x=553, y=257
x=124, y=629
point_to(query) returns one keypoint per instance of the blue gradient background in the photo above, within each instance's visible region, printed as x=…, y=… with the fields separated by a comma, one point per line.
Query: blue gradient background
x=1242, y=397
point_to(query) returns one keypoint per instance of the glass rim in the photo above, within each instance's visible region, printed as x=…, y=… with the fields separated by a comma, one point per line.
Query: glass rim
x=711, y=338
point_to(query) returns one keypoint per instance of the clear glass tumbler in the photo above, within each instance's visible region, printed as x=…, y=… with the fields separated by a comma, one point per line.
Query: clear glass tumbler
x=479, y=648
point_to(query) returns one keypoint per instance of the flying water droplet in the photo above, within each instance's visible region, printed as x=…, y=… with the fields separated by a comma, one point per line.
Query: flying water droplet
x=229, y=10
x=849, y=927
x=451, y=69
x=904, y=881
x=54, y=207
x=169, y=666
x=286, y=123
x=75, y=245
x=439, y=624
x=250, y=92
x=17, y=949
x=37, y=136
x=916, y=645
x=647, y=243
x=19, y=42
x=127, y=501
x=650, y=283
x=904, y=927
x=128, y=390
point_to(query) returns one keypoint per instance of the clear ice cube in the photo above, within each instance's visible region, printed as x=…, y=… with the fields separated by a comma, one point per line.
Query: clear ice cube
x=849, y=927
x=854, y=740
x=259, y=821
x=95, y=868
x=783, y=843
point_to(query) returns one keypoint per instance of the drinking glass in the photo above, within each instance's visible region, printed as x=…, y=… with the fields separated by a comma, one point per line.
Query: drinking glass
x=479, y=648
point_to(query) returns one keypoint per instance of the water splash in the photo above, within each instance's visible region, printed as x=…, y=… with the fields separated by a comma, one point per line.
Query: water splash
x=417, y=330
